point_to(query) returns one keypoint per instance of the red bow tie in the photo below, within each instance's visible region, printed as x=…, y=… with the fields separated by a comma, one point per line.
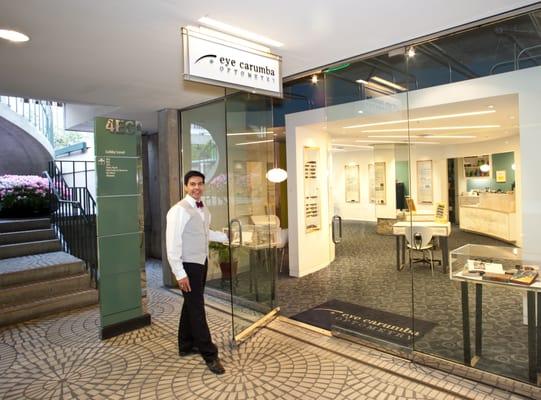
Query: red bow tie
x=199, y=204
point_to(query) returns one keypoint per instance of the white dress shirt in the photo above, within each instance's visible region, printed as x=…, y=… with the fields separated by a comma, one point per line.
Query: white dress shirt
x=177, y=218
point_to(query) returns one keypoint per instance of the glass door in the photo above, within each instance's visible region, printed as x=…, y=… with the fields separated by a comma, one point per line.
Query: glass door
x=254, y=226
x=370, y=298
x=232, y=143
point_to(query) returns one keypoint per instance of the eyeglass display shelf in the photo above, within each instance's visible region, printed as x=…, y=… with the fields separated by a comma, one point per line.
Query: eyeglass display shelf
x=507, y=257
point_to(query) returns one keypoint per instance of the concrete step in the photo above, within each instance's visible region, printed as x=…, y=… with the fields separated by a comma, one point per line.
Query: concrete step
x=26, y=236
x=28, y=248
x=39, y=267
x=19, y=294
x=24, y=224
x=47, y=306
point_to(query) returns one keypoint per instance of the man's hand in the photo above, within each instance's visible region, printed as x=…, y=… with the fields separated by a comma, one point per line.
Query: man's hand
x=184, y=285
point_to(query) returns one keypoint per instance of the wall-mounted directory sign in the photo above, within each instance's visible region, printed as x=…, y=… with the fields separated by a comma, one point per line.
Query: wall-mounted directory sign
x=212, y=60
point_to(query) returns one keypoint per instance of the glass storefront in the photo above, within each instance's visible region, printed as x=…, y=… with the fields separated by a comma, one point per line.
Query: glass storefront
x=231, y=142
x=406, y=171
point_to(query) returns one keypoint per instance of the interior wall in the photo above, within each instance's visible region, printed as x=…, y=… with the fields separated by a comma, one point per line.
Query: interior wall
x=362, y=211
x=321, y=249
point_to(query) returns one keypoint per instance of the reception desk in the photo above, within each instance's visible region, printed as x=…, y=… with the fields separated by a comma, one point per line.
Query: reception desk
x=491, y=214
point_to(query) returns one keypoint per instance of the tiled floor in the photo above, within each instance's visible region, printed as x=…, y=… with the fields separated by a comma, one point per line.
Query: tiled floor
x=61, y=357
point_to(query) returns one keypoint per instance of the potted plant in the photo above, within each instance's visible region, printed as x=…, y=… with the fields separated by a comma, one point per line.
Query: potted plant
x=228, y=265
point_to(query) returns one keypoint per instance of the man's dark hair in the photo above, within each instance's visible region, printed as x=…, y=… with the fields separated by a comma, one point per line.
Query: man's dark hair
x=191, y=174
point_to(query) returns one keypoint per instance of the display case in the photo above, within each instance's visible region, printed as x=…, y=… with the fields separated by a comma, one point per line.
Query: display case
x=498, y=265
x=480, y=265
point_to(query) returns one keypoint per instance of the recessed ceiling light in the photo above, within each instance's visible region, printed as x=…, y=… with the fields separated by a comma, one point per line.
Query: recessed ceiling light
x=435, y=117
x=314, y=79
x=491, y=106
x=233, y=30
x=360, y=112
x=257, y=142
x=437, y=128
x=388, y=83
x=263, y=133
x=13, y=36
x=352, y=145
x=411, y=52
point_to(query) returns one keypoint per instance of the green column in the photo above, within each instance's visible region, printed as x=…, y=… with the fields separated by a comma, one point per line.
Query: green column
x=120, y=225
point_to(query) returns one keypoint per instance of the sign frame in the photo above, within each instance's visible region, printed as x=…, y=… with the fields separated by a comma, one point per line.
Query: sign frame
x=189, y=76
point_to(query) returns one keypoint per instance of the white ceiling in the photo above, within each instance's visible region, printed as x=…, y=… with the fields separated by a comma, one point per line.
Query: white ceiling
x=127, y=53
x=442, y=124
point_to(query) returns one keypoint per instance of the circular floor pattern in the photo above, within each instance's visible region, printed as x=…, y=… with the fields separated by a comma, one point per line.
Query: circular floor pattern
x=263, y=368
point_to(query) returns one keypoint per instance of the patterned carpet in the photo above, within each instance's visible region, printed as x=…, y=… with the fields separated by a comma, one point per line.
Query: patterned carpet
x=365, y=273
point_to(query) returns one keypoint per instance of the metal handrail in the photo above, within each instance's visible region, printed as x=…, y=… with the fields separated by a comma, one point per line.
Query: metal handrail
x=37, y=112
x=74, y=226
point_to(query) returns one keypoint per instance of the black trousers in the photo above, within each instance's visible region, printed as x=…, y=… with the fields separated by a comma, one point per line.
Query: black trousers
x=193, y=330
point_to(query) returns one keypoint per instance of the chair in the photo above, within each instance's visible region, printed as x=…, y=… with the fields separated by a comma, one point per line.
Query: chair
x=281, y=245
x=419, y=238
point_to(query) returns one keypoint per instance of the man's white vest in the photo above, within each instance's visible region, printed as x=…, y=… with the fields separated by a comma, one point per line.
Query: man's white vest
x=195, y=237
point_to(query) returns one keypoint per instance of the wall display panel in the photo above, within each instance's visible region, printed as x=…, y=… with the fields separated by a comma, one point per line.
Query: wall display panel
x=312, y=198
x=371, y=184
x=380, y=191
x=352, y=184
x=424, y=182
x=500, y=176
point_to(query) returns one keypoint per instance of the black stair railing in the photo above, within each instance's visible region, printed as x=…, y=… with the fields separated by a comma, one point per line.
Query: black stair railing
x=73, y=216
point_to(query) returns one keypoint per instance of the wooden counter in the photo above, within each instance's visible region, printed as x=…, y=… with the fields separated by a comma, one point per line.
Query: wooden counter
x=493, y=215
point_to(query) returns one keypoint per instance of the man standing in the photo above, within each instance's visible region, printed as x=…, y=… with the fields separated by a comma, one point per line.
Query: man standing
x=187, y=240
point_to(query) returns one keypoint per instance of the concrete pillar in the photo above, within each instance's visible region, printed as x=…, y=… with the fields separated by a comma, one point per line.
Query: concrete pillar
x=169, y=176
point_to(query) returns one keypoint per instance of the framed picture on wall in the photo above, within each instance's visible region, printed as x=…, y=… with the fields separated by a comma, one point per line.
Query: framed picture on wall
x=380, y=183
x=424, y=182
x=500, y=176
x=312, y=199
x=353, y=190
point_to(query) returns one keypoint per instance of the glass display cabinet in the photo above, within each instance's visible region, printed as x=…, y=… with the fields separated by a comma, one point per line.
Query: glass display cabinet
x=482, y=265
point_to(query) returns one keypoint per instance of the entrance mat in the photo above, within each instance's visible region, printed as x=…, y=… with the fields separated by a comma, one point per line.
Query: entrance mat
x=367, y=321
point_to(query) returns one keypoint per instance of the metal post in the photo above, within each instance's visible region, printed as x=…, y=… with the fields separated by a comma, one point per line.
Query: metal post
x=466, y=323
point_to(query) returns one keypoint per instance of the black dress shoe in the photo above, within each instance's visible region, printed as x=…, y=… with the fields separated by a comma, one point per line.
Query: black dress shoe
x=216, y=366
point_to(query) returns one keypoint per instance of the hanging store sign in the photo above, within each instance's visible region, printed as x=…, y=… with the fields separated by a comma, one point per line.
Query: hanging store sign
x=215, y=61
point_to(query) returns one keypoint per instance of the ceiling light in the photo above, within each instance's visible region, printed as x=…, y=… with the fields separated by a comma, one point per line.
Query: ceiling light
x=435, y=117
x=13, y=36
x=449, y=136
x=257, y=142
x=394, y=141
x=411, y=52
x=360, y=112
x=394, y=136
x=314, y=79
x=437, y=128
x=352, y=145
x=379, y=88
x=361, y=81
x=276, y=175
x=491, y=106
x=387, y=83
x=233, y=30
x=484, y=168
x=264, y=133
x=513, y=166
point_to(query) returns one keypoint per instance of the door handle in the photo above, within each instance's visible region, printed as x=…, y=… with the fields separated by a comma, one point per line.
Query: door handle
x=235, y=221
x=336, y=238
